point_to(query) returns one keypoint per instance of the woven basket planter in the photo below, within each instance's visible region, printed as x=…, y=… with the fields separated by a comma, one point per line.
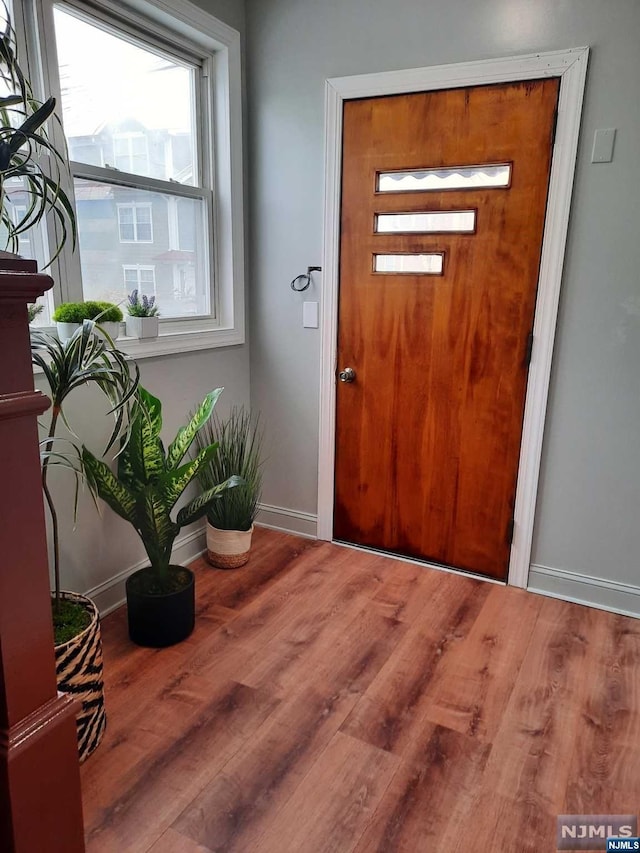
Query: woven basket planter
x=79, y=673
x=228, y=549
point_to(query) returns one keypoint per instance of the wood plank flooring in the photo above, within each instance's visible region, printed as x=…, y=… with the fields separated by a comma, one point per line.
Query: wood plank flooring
x=336, y=700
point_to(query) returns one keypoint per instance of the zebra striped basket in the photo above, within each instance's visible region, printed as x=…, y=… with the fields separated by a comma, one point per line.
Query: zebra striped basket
x=79, y=673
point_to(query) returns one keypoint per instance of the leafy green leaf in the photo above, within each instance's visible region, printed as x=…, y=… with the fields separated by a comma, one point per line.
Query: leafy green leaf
x=103, y=483
x=175, y=482
x=147, y=452
x=186, y=434
x=197, y=508
x=157, y=530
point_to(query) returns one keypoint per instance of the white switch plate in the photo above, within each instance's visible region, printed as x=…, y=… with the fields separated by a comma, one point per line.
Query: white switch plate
x=310, y=315
x=603, y=141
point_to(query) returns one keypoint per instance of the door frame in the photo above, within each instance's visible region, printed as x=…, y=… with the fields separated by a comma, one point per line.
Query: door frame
x=571, y=66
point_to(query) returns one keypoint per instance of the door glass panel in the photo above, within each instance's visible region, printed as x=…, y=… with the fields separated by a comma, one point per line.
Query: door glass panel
x=454, y=178
x=430, y=264
x=434, y=222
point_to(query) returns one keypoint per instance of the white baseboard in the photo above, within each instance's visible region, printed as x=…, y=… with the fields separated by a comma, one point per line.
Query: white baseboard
x=609, y=595
x=110, y=594
x=288, y=520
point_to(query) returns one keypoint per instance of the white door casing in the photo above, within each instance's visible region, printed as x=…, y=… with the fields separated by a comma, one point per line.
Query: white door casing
x=571, y=67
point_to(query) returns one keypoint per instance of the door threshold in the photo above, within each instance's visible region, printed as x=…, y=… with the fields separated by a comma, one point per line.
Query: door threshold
x=416, y=562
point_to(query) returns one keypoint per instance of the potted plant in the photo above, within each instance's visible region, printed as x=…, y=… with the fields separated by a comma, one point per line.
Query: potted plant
x=142, y=316
x=30, y=165
x=34, y=311
x=87, y=358
x=230, y=519
x=69, y=316
x=148, y=484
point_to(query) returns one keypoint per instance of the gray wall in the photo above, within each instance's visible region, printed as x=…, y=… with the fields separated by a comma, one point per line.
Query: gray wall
x=589, y=499
x=102, y=547
x=232, y=12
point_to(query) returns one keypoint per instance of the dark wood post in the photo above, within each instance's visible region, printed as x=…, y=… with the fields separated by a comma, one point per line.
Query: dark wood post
x=40, y=802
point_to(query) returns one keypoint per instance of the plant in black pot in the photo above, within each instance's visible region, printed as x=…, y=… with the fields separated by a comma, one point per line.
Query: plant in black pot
x=148, y=484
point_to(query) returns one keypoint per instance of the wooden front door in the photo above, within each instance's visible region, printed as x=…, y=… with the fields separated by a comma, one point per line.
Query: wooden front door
x=443, y=206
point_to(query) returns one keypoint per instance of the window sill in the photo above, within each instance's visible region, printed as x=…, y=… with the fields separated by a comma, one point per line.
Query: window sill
x=179, y=342
x=173, y=343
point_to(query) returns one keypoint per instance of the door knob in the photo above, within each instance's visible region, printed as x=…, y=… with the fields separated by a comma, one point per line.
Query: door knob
x=347, y=375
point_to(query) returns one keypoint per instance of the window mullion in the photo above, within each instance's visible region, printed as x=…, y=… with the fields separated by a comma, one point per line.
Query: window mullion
x=108, y=175
x=66, y=269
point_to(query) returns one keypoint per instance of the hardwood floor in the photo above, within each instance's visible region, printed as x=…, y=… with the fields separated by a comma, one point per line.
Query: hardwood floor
x=335, y=700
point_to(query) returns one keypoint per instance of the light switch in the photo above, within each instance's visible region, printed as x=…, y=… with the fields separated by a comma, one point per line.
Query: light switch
x=603, y=141
x=310, y=315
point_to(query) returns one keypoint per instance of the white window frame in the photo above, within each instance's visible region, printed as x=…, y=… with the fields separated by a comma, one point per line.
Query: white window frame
x=134, y=206
x=19, y=211
x=138, y=268
x=217, y=47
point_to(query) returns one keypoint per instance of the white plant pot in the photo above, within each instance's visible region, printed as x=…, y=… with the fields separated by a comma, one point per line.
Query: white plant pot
x=112, y=329
x=142, y=327
x=66, y=330
x=228, y=549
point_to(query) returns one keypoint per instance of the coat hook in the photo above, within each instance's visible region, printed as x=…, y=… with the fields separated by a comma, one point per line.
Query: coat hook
x=305, y=278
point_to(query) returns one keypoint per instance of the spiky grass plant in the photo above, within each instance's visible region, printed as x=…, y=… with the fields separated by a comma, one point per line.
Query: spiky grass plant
x=240, y=439
x=87, y=358
x=28, y=155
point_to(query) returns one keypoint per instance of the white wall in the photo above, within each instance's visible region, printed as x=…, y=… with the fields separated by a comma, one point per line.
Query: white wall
x=589, y=498
x=103, y=548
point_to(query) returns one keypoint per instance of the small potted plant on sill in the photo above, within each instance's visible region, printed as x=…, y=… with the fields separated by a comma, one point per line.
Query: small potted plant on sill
x=87, y=358
x=69, y=317
x=230, y=519
x=142, y=316
x=148, y=484
x=34, y=311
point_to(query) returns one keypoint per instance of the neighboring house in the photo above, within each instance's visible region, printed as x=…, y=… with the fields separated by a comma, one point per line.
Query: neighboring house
x=132, y=238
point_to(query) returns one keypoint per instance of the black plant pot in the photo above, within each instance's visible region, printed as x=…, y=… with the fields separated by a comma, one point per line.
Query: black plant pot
x=160, y=619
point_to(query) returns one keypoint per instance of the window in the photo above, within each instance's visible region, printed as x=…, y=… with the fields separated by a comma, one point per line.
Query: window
x=146, y=177
x=143, y=162
x=135, y=223
x=140, y=278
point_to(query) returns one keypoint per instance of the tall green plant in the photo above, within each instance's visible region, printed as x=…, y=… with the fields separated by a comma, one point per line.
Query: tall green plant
x=150, y=480
x=87, y=358
x=240, y=439
x=28, y=154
